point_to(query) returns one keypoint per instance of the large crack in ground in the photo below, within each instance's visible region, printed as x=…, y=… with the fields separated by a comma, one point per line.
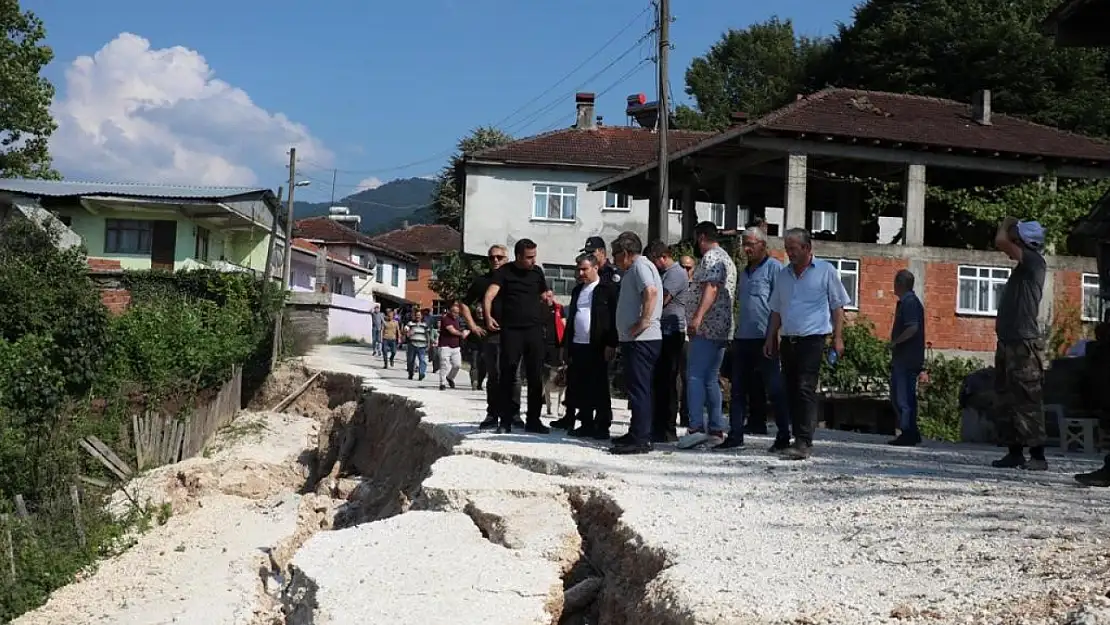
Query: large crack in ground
x=428, y=535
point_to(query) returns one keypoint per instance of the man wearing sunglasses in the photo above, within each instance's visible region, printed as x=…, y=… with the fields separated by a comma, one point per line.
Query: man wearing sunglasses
x=497, y=256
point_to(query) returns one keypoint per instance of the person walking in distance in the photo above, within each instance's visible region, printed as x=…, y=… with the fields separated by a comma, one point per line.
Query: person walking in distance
x=709, y=327
x=590, y=343
x=451, y=337
x=806, y=306
x=520, y=285
x=907, y=359
x=755, y=376
x=490, y=345
x=391, y=334
x=416, y=347
x=672, y=324
x=639, y=309
x=376, y=320
x=1019, y=356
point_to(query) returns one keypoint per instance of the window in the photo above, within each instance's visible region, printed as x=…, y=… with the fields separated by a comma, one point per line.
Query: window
x=394, y=274
x=676, y=206
x=717, y=215
x=127, y=236
x=824, y=221
x=554, y=203
x=849, y=277
x=439, y=307
x=412, y=272
x=742, y=215
x=980, y=289
x=617, y=201
x=337, y=285
x=1093, y=305
x=201, y=252
x=379, y=273
x=561, y=278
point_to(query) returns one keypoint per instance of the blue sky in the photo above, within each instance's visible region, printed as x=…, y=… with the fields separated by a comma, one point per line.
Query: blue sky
x=366, y=87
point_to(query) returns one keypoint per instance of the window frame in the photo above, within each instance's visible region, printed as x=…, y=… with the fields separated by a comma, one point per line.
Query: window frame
x=853, y=294
x=813, y=220
x=1084, y=287
x=379, y=273
x=613, y=201
x=128, y=225
x=412, y=272
x=561, y=193
x=395, y=274
x=675, y=206
x=990, y=279
x=714, y=209
x=561, y=278
x=202, y=243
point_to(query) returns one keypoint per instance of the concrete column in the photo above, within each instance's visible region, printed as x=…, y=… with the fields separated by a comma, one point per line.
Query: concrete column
x=321, y=269
x=917, y=268
x=732, y=201
x=913, y=216
x=796, y=172
x=689, y=213
x=1048, y=297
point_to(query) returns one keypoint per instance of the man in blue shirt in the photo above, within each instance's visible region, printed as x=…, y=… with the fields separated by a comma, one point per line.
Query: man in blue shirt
x=754, y=376
x=806, y=306
x=907, y=346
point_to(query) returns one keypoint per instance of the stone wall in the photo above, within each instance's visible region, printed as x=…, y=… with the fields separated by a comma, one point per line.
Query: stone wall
x=307, y=316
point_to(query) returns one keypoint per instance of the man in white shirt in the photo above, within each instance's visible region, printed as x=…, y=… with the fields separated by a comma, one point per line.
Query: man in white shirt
x=590, y=341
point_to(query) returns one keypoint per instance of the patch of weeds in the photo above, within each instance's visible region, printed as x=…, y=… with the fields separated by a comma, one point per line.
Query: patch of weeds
x=345, y=340
x=238, y=430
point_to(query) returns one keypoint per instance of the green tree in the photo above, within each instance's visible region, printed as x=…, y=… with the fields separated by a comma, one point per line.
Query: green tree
x=952, y=48
x=447, y=197
x=754, y=70
x=453, y=276
x=25, y=121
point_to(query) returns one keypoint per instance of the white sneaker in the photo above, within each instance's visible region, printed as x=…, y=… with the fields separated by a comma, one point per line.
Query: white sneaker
x=692, y=440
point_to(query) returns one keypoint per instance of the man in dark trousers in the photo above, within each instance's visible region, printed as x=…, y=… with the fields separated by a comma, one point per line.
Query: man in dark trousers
x=490, y=342
x=520, y=285
x=672, y=323
x=1019, y=356
x=590, y=342
x=907, y=358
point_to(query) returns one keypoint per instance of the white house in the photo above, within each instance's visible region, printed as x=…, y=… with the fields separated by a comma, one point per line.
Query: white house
x=385, y=283
x=536, y=188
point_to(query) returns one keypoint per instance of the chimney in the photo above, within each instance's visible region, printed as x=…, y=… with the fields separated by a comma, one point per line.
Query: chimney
x=584, y=102
x=737, y=118
x=981, y=107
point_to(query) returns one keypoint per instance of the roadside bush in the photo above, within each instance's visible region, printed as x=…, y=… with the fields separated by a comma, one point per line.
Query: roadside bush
x=865, y=366
x=938, y=395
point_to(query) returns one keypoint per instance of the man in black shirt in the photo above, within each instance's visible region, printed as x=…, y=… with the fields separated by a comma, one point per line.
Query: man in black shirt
x=519, y=286
x=490, y=342
x=907, y=358
x=1019, y=357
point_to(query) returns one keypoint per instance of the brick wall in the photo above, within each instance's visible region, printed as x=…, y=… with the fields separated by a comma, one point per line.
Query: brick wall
x=936, y=271
x=418, y=290
x=115, y=300
x=105, y=274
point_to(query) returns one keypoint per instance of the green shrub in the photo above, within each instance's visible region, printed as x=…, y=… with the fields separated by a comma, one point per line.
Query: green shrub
x=938, y=396
x=865, y=365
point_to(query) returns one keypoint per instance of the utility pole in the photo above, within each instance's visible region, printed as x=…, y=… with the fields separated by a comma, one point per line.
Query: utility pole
x=286, y=271
x=661, y=219
x=334, y=173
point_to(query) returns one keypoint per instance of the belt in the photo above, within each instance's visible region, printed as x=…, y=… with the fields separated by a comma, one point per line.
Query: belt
x=799, y=339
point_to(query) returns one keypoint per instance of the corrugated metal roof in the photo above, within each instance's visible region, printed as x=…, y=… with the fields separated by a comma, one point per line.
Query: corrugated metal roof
x=66, y=188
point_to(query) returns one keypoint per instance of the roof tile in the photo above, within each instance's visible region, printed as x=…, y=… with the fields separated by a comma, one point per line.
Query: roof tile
x=422, y=239
x=329, y=231
x=922, y=120
x=609, y=147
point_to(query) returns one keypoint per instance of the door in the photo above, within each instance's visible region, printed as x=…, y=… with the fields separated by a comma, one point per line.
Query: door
x=163, y=245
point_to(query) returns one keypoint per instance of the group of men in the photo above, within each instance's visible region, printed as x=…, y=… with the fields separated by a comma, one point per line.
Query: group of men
x=672, y=323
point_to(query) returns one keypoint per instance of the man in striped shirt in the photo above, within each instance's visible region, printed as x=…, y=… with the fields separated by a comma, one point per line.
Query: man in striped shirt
x=416, y=349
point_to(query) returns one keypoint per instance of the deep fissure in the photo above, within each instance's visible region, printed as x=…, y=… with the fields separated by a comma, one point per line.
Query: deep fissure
x=377, y=444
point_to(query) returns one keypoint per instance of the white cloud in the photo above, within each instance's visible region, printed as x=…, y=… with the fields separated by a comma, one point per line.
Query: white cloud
x=133, y=113
x=369, y=183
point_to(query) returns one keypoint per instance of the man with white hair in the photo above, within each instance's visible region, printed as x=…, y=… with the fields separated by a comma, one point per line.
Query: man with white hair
x=807, y=305
x=755, y=376
x=1019, y=356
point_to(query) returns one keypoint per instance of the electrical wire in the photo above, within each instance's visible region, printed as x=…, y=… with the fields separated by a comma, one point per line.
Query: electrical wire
x=529, y=120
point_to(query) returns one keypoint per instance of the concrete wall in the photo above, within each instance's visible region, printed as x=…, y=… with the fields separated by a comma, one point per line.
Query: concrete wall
x=937, y=282
x=349, y=316
x=317, y=317
x=499, y=210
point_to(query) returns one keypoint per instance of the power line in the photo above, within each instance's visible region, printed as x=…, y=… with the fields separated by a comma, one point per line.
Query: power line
x=528, y=121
